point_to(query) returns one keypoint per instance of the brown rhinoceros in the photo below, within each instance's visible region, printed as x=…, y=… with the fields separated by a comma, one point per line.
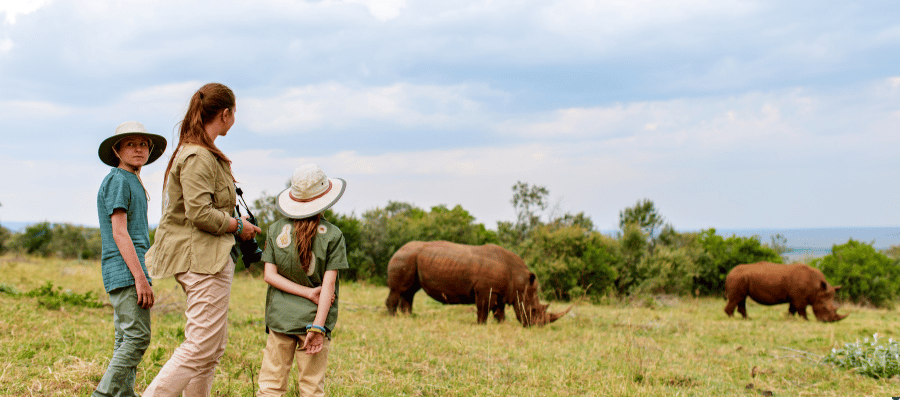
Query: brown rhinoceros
x=769, y=284
x=488, y=276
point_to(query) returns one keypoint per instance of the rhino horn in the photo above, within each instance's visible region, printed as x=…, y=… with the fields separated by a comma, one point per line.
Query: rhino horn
x=553, y=317
x=839, y=317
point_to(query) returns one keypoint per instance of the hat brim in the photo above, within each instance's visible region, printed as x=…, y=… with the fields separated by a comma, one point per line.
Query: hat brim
x=109, y=158
x=295, y=209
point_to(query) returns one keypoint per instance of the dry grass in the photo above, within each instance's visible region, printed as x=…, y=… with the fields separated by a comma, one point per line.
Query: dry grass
x=671, y=347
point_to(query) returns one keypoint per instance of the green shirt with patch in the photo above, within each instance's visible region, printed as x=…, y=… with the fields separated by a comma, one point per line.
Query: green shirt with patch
x=290, y=314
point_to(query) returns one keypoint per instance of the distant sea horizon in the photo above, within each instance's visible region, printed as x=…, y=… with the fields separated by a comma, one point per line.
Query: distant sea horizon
x=804, y=242
x=807, y=243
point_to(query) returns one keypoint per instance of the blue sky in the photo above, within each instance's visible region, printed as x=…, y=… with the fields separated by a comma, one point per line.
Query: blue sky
x=727, y=114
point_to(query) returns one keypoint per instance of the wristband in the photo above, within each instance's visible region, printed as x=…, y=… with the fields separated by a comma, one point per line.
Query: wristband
x=315, y=328
x=240, y=227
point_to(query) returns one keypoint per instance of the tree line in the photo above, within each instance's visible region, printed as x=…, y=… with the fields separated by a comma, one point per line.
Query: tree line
x=571, y=258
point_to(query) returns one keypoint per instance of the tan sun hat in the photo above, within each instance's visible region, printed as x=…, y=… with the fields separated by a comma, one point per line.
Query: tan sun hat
x=311, y=192
x=130, y=128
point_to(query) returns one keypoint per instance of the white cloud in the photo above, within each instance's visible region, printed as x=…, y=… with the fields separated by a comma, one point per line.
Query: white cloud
x=383, y=10
x=310, y=108
x=15, y=8
x=23, y=109
x=6, y=45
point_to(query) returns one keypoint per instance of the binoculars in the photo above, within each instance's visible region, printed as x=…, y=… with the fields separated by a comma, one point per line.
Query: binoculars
x=249, y=249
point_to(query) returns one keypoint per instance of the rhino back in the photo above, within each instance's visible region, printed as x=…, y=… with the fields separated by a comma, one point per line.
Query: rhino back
x=452, y=273
x=766, y=283
x=770, y=283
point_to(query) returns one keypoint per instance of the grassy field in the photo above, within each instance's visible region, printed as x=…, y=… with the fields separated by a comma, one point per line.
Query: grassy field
x=664, y=347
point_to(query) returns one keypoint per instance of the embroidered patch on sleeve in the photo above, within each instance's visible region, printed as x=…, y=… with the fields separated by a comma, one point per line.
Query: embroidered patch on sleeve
x=284, y=239
x=322, y=229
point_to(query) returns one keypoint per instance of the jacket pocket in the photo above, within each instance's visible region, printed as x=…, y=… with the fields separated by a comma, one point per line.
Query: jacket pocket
x=223, y=197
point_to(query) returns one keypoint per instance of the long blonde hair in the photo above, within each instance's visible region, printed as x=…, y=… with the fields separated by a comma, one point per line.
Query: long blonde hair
x=205, y=104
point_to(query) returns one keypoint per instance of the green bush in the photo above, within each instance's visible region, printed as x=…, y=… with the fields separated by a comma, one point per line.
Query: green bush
x=721, y=255
x=668, y=270
x=59, y=240
x=571, y=261
x=634, y=246
x=384, y=230
x=35, y=239
x=866, y=275
x=5, y=235
x=869, y=359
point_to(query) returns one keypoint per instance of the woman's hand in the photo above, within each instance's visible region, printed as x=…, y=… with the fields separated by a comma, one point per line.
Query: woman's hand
x=314, y=342
x=250, y=231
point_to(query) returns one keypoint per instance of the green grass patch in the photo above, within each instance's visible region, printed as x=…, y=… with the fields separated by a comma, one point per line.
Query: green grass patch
x=679, y=347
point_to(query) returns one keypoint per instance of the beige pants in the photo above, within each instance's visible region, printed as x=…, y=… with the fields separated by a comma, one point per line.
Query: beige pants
x=192, y=367
x=280, y=351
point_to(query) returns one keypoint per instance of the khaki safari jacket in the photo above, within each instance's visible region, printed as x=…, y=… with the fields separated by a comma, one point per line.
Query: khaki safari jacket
x=197, y=207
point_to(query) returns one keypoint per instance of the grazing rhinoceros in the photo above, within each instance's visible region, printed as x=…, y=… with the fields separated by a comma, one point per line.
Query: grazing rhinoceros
x=488, y=276
x=769, y=284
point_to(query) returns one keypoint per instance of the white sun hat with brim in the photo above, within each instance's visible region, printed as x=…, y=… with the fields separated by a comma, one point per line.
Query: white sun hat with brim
x=126, y=129
x=311, y=192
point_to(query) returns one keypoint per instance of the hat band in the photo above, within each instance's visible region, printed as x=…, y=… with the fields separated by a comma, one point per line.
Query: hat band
x=291, y=194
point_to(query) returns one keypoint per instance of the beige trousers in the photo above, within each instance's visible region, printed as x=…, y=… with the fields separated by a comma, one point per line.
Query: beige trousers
x=280, y=351
x=192, y=367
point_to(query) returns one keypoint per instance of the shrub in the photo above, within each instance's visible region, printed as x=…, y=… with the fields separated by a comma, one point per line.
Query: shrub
x=382, y=231
x=571, y=261
x=668, y=270
x=5, y=235
x=867, y=275
x=868, y=359
x=59, y=240
x=634, y=246
x=721, y=255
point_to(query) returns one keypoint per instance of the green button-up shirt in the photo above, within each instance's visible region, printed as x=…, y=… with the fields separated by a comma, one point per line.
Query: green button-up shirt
x=290, y=314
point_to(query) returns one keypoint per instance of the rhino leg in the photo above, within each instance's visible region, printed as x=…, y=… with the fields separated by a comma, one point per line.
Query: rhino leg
x=733, y=302
x=801, y=309
x=487, y=302
x=729, y=308
x=392, y=301
x=403, y=300
x=406, y=301
x=742, y=307
x=481, y=309
x=500, y=313
x=792, y=310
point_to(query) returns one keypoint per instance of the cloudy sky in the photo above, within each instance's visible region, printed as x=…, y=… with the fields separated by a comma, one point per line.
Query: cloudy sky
x=726, y=113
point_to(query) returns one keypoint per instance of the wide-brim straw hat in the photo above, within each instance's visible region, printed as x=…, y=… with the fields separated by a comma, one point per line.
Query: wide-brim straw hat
x=130, y=128
x=310, y=193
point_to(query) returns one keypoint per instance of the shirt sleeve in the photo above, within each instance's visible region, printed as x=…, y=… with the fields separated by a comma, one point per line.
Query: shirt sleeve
x=337, y=255
x=117, y=195
x=268, y=254
x=197, y=183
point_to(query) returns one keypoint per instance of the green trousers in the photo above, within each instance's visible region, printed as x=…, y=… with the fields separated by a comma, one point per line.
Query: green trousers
x=132, y=325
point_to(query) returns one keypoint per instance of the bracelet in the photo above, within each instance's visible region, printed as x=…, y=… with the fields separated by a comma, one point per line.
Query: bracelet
x=240, y=227
x=315, y=328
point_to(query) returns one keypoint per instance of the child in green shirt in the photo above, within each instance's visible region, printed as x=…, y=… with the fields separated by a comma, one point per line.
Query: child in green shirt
x=122, y=211
x=303, y=254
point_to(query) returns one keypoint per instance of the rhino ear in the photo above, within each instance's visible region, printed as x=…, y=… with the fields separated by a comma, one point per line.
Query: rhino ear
x=823, y=285
x=531, y=278
x=836, y=288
